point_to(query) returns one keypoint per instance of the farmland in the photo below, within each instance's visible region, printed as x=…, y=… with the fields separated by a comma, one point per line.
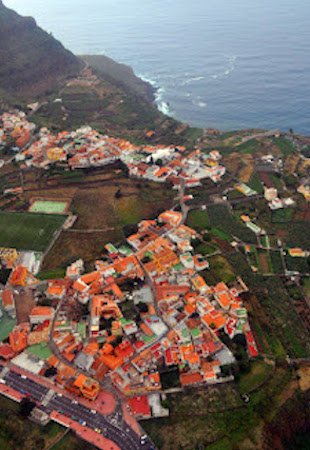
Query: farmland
x=221, y=218
x=216, y=418
x=27, y=231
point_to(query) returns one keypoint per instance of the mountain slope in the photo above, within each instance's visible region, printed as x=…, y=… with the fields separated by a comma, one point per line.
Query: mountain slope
x=32, y=61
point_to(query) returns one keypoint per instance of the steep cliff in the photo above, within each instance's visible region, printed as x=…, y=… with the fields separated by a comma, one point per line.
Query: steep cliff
x=32, y=62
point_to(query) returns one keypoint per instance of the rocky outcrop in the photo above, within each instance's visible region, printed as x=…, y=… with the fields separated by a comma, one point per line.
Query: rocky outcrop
x=121, y=75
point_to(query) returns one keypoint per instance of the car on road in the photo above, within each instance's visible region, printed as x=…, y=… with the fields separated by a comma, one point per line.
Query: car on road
x=143, y=439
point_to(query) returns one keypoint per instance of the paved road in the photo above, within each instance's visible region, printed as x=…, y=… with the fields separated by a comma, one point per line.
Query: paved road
x=126, y=439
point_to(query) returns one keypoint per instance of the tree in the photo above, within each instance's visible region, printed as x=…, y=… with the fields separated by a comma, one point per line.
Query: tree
x=118, y=193
x=26, y=406
x=142, y=307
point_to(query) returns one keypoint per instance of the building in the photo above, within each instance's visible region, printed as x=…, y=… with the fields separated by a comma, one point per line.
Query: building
x=40, y=314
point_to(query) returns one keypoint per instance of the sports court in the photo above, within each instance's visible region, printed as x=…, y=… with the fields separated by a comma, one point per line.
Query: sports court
x=49, y=207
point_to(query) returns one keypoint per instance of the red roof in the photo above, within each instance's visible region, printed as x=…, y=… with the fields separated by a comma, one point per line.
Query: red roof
x=190, y=378
x=251, y=344
x=140, y=406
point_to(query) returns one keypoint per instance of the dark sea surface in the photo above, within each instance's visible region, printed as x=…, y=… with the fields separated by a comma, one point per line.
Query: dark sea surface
x=217, y=63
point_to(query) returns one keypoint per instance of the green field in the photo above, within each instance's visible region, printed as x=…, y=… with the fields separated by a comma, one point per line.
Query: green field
x=198, y=220
x=48, y=207
x=27, y=231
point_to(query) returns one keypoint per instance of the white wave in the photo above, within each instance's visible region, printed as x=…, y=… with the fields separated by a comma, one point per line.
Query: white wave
x=159, y=94
x=164, y=108
x=192, y=80
x=228, y=70
x=202, y=104
x=151, y=81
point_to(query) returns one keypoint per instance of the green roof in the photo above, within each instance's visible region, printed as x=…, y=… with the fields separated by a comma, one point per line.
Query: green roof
x=42, y=351
x=125, y=250
x=124, y=321
x=195, y=332
x=146, y=339
x=81, y=327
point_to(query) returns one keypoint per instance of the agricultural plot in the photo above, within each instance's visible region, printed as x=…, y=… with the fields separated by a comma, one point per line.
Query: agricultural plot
x=221, y=219
x=274, y=312
x=265, y=240
x=297, y=264
x=276, y=261
x=264, y=262
x=27, y=231
x=198, y=220
x=255, y=183
x=283, y=215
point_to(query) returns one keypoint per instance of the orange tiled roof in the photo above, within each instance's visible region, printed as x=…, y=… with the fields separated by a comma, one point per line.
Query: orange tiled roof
x=190, y=378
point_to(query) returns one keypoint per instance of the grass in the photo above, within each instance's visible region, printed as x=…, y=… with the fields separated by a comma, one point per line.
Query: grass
x=265, y=240
x=276, y=181
x=276, y=261
x=27, y=231
x=283, y=215
x=255, y=183
x=206, y=249
x=216, y=418
x=221, y=270
x=60, y=272
x=221, y=234
x=297, y=264
x=129, y=210
x=286, y=146
x=252, y=380
x=198, y=220
x=250, y=147
x=221, y=219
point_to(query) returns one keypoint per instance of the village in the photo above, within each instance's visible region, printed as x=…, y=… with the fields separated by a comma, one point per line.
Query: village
x=145, y=322
x=178, y=317
x=86, y=148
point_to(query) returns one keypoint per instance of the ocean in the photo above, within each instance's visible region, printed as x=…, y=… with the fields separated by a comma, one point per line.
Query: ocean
x=228, y=64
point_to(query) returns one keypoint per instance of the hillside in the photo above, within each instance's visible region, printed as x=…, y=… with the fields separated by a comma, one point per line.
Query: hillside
x=90, y=89
x=32, y=61
x=120, y=74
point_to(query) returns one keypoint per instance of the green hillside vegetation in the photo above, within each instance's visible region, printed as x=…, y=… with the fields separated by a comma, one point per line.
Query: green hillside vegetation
x=32, y=61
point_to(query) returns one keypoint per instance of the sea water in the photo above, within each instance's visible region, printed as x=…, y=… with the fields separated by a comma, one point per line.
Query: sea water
x=216, y=63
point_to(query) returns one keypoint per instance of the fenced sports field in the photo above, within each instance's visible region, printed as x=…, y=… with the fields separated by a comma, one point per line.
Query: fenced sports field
x=49, y=207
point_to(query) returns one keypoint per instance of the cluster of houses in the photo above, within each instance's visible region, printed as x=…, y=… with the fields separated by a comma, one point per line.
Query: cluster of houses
x=149, y=310
x=85, y=147
x=274, y=202
x=15, y=130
